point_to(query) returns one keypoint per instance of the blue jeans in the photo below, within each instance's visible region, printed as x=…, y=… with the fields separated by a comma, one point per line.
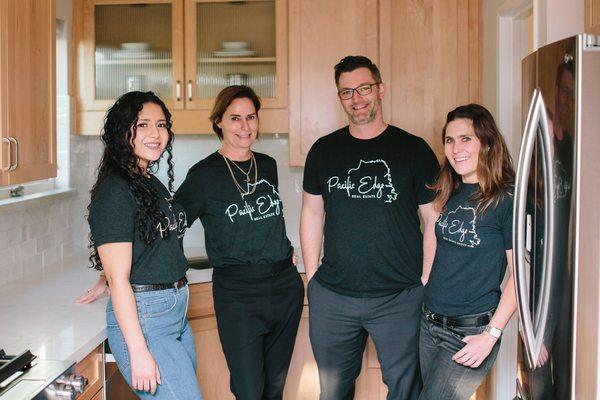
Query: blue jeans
x=443, y=378
x=162, y=316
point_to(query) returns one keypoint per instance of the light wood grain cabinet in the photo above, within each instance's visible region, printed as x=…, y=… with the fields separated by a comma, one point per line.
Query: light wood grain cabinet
x=321, y=33
x=91, y=367
x=303, y=377
x=27, y=91
x=592, y=17
x=175, y=48
x=428, y=53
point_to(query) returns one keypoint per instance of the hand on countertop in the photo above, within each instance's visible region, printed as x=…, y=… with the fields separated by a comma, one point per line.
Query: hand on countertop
x=93, y=293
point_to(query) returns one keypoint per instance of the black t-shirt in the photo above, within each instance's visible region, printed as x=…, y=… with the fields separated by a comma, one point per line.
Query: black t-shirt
x=113, y=219
x=371, y=190
x=470, y=259
x=237, y=230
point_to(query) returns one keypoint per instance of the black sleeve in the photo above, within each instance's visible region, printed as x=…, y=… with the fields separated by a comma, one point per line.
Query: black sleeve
x=112, y=213
x=426, y=170
x=507, y=221
x=190, y=196
x=310, y=182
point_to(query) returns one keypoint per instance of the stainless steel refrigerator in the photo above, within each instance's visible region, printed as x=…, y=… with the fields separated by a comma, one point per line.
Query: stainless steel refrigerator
x=557, y=222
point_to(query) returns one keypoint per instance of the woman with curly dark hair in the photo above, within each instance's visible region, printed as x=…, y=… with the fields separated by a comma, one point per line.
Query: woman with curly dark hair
x=136, y=234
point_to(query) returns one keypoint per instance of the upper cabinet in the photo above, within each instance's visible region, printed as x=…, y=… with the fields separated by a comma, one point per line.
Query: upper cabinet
x=592, y=16
x=428, y=53
x=184, y=51
x=322, y=32
x=27, y=91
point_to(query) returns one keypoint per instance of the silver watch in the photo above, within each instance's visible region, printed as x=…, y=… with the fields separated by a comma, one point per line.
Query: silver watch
x=495, y=332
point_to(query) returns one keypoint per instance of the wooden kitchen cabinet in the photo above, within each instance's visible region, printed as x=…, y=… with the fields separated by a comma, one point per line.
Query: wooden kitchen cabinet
x=177, y=54
x=592, y=17
x=27, y=91
x=428, y=53
x=303, y=377
x=321, y=33
x=302, y=381
x=92, y=368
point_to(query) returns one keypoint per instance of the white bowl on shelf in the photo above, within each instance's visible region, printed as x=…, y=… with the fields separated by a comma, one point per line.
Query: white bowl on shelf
x=234, y=46
x=135, y=46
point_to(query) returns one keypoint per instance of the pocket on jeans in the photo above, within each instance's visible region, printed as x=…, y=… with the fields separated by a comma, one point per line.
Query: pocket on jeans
x=155, y=306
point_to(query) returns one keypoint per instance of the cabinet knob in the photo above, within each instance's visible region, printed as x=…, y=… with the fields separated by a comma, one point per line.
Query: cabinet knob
x=189, y=90
x=7, y=168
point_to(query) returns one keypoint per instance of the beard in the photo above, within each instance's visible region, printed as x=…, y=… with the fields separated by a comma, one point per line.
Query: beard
x=364, y=120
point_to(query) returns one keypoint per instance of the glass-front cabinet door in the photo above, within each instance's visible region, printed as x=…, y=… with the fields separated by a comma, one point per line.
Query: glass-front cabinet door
x=235, y=43
x=133, y=45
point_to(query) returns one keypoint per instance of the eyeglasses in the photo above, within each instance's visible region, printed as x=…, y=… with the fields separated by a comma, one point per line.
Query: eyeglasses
x=363, y=90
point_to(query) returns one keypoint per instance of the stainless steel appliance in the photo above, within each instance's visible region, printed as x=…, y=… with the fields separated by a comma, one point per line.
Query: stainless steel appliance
x=557, y=222
x=23, y=377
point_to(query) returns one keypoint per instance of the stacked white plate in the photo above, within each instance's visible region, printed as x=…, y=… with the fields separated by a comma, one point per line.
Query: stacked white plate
x=234, y=49
x=134, y=50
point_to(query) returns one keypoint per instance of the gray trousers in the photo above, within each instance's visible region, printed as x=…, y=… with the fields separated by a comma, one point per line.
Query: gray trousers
x=339, y=326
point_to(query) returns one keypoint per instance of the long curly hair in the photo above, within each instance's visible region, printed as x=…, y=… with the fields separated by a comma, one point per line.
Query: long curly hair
x=495, y=167
x=119, y=159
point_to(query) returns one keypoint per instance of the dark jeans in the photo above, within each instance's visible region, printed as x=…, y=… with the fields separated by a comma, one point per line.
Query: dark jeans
x=258, y=309
x=339, y=326
x=444, y=379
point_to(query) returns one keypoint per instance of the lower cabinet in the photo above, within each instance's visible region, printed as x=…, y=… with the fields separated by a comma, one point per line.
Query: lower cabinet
x=303, y=378
x=91, y=368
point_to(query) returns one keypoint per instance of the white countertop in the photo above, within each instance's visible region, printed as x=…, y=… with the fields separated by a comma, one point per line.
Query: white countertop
x=40, y=314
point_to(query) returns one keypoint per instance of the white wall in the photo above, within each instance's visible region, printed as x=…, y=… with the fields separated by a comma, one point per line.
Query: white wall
x=564, y=18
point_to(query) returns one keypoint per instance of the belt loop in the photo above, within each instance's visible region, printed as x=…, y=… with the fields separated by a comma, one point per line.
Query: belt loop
x=445, y=322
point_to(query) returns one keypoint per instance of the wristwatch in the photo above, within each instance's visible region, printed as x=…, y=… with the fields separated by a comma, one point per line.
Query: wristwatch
x=494, y=332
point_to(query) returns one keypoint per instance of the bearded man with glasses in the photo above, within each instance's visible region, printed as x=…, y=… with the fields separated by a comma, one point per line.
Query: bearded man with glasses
x=363, y=185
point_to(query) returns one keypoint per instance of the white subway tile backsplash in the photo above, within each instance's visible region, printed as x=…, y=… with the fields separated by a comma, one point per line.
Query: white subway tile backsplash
x=51, y=256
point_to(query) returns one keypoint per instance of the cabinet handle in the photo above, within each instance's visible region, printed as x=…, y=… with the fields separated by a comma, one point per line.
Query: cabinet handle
x=189, y=90
x=13, y=140
x=3, y=168
x=178, y=91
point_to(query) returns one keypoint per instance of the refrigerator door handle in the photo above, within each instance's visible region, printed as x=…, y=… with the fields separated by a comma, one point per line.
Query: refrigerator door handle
x=535, y=126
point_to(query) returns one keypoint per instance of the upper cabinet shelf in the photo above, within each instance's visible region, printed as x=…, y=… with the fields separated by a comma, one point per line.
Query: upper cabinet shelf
x=241, y=60
x=190, y=53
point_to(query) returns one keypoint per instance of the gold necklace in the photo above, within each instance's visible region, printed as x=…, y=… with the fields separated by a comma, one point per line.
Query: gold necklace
x=248, y=191
x=246, y=174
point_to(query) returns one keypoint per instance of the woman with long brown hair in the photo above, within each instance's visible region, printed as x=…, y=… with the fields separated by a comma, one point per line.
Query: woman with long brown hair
x=464, y=309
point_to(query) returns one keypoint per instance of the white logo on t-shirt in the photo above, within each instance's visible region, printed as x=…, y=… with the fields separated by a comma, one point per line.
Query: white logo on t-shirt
x=369, y=180
x=179, y=223
x=459, y=226
x=264, y=206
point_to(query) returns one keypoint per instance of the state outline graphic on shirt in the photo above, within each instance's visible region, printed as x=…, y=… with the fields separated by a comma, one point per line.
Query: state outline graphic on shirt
x=366, y=186
x=265, y=206
x=462, y=230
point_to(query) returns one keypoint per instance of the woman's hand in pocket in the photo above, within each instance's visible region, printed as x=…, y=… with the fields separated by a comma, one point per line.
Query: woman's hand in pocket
x=144, y=371
x=476, y=350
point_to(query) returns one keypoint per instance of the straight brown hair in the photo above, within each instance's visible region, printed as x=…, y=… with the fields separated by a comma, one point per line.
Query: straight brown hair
x=225, y=98
x=495, y=170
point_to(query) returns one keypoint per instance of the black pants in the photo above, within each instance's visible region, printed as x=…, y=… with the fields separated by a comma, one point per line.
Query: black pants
x=339, y=326
x=258, y=309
